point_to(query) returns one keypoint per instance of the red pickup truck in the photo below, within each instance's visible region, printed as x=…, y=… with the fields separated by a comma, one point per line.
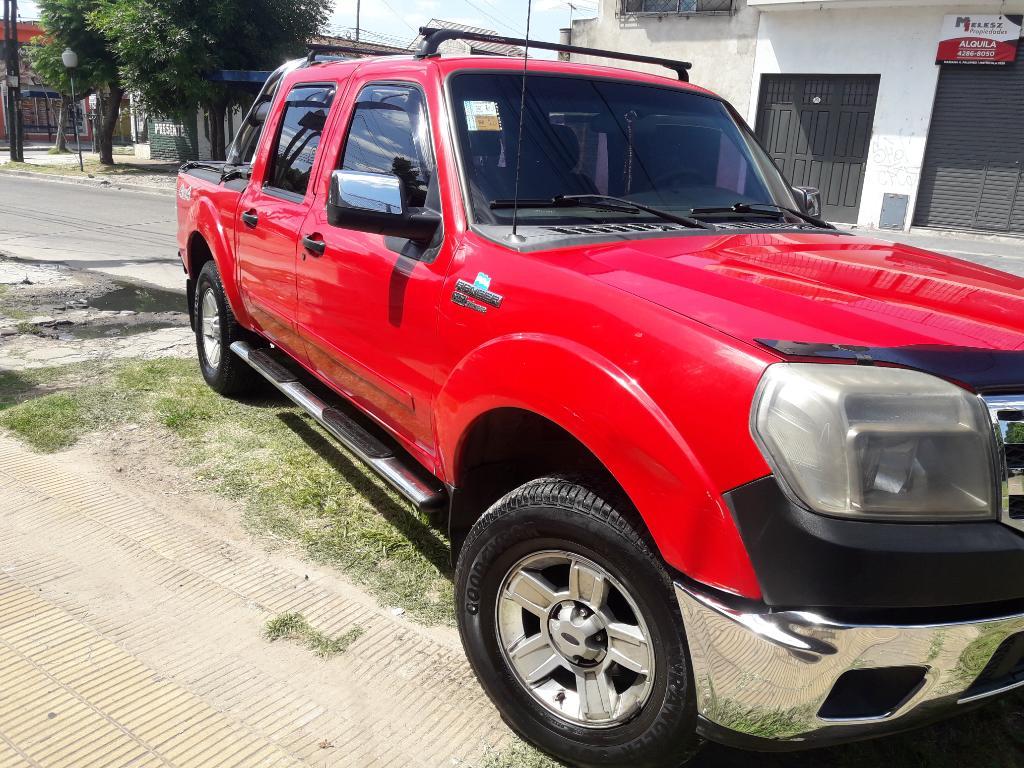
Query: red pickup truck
x=711, y=467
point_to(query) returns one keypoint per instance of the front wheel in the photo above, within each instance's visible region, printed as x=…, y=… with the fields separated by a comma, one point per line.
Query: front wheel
x=571, y=624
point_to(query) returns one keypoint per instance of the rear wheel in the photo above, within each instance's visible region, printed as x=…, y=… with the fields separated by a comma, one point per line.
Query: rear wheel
x=216, y=330
x=571, y=624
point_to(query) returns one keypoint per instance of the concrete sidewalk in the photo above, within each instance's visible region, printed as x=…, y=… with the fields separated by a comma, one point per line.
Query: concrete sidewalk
x=132, y=634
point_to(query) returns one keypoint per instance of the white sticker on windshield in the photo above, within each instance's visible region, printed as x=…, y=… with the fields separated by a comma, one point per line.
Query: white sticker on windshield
x=482, y=115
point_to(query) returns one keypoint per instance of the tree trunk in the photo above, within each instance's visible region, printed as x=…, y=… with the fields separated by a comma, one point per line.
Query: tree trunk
x=61, y=143
x=218, y=114
x=108, y=123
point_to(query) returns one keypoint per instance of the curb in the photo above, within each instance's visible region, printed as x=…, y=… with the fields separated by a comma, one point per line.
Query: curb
x=101, y=183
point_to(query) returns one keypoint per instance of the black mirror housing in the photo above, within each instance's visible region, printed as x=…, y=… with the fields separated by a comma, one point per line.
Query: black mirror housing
x=809, y=200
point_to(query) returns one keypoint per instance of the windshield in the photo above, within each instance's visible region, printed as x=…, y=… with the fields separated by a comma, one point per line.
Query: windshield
x=663, y=147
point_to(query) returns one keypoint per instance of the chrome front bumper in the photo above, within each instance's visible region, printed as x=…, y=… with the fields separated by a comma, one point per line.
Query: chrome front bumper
x=763, y=677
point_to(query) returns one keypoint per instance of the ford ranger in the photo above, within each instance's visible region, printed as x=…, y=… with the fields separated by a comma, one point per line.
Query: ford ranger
x=711, y=468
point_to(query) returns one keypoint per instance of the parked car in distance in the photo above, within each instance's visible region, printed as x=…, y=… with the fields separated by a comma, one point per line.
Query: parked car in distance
x=710, y=466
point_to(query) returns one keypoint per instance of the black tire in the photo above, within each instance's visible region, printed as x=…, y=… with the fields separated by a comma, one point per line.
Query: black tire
x=228, y=375
x=559, y=514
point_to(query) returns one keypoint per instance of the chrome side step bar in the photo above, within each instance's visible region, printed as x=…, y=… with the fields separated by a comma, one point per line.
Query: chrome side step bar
x=415, y=484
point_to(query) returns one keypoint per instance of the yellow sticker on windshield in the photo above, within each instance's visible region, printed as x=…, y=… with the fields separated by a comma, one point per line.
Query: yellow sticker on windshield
x=482, y=115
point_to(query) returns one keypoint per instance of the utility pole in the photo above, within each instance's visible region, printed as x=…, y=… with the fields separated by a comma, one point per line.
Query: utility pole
x=358, y=3
x=14, y=132
x=7, y=71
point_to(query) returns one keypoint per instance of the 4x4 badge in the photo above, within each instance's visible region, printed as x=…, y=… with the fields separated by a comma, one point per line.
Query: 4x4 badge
x=464, y=301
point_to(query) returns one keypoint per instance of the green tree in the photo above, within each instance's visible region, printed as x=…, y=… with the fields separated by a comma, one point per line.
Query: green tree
x=1015, y=432
x=70, y=24
x=166, y=47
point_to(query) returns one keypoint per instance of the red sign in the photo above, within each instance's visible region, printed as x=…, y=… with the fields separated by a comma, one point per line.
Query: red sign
x=976, y=39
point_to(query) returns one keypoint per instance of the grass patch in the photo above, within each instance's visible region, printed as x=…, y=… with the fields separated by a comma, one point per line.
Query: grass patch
x=19, y=386
x=93, y=167
x=519, y=755
x=293, y=626
x=292, y=478
x=7, y=308
x=50, y=410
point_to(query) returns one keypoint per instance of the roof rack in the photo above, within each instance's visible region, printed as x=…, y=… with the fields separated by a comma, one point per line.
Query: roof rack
x=433, y=37
x=316, y=50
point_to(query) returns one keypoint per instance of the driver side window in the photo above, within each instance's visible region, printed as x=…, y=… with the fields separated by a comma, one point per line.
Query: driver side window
x=389, y=135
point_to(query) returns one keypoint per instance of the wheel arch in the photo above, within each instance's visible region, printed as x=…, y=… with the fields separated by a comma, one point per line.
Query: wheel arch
x=209, y=241
x=488, y=467
x=585, y=408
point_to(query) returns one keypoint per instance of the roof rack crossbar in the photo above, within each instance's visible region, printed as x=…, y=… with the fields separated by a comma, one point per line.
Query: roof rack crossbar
x=318, y=49
x=433, y=37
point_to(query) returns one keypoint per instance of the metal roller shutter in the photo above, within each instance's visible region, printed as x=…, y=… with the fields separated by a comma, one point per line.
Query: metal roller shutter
x=973, y=174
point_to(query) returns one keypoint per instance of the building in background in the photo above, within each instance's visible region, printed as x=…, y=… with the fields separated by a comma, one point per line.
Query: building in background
x=40, y=104
x=908, y=113
x=468, y=47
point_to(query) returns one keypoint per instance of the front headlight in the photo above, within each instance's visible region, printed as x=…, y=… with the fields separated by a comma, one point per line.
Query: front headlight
x=870, y=442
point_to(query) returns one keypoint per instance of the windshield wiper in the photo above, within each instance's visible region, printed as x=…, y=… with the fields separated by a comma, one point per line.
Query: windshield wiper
x=601, y=203
x=766, y=209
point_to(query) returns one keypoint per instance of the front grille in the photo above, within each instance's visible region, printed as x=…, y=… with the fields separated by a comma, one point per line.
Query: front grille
x=1008, y=420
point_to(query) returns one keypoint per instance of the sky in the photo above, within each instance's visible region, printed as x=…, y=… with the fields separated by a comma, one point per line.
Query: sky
x=397, y=20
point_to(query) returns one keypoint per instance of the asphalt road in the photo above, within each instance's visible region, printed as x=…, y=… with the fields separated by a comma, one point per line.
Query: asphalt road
x=122, y=233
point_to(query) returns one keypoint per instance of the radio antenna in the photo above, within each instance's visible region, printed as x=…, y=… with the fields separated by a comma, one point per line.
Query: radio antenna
x=514, y=237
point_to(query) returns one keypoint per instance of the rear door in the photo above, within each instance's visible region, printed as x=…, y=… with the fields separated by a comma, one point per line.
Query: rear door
x=273, y=207
x=368, y=303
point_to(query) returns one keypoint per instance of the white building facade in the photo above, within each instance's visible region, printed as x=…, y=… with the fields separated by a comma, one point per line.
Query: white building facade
x=846, y=95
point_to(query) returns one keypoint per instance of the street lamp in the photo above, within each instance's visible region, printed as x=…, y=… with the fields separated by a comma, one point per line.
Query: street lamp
x=70, y=59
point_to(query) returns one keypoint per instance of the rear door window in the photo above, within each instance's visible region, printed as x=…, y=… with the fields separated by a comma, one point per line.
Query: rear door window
x=298, y=138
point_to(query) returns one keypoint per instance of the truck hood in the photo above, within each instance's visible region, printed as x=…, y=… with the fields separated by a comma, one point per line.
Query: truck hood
x=821, y=288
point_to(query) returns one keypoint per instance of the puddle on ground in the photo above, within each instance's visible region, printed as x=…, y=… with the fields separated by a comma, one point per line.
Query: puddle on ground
x=111, y=330
x=139, y=298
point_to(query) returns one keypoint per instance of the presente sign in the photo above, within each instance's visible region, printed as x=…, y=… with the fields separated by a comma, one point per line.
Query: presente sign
x=977, y=39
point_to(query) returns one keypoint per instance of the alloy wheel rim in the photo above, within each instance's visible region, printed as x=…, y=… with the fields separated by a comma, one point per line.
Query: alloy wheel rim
x=574, y=638
x=209, y=320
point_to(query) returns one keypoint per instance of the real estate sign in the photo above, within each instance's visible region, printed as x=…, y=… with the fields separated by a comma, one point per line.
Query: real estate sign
x=977, y=39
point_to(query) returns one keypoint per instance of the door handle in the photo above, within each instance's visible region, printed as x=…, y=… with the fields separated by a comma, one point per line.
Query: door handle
x=251, y=219
x=316, y=247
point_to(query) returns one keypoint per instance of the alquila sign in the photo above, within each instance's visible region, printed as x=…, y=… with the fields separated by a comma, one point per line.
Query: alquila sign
x=973, y=39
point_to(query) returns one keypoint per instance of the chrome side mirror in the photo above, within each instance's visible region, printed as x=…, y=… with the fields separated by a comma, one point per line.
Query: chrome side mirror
x=376, y=203
x=367, y=191
x=809, y=199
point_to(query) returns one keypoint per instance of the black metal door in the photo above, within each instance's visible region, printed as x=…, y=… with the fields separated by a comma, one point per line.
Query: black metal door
x=817, y=129
x=973, y=173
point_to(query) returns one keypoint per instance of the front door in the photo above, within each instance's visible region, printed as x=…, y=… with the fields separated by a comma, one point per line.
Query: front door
x=272, y=210
x=817, y=129
x=368, y=303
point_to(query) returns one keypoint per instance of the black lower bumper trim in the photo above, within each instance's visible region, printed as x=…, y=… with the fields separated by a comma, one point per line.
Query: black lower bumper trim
x=807, y=560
